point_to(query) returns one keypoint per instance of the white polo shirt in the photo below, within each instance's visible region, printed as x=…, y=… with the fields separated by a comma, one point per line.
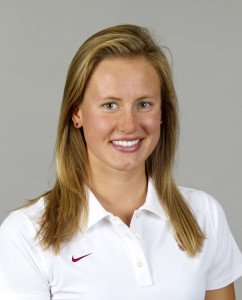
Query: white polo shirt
x=114, y=261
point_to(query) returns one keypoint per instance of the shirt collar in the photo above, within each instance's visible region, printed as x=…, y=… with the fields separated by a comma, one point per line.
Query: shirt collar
x=96, y=212
x=152, y=204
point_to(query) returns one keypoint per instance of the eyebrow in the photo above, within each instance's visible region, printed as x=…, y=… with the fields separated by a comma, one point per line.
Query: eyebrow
x=119, y=99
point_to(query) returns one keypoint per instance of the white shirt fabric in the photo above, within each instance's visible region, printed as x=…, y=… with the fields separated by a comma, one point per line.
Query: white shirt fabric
x=114, y=261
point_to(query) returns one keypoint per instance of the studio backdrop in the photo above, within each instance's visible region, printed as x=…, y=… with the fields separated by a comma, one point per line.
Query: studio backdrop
x=37, y=42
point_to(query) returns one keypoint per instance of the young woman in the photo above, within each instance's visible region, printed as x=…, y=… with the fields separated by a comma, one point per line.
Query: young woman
x=115, y=225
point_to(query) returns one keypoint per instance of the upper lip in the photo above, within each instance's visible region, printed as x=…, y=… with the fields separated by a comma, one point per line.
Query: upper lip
x=127, y=139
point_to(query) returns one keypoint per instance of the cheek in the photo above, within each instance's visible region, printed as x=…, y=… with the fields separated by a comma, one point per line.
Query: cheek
x=96, y=127
x=152, y=123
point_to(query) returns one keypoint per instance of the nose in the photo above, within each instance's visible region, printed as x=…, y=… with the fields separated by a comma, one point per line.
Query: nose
x=128, y=122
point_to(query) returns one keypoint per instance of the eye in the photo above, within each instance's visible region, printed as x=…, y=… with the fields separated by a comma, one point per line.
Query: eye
x=144, y=105
x=110, y=105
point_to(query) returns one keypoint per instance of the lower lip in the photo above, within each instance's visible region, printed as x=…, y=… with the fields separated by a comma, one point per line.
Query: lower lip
x=127, y=149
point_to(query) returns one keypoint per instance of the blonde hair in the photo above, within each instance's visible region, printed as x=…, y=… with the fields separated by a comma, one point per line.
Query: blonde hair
x=67, y=203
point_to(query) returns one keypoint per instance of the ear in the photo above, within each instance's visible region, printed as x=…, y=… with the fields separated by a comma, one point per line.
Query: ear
x=77, y=116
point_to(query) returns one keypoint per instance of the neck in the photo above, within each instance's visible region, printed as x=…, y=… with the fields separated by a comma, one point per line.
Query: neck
x=120, y=192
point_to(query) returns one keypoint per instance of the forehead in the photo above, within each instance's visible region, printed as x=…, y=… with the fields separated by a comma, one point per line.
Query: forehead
x=139, y=63
x=124, y=75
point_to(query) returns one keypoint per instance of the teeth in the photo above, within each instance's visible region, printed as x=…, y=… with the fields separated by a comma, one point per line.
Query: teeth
x=125, y=143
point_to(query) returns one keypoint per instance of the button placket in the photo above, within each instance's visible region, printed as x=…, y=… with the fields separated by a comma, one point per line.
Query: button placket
x=135, y=227
x=139, y=262
x=137, y=251
x=132, y=239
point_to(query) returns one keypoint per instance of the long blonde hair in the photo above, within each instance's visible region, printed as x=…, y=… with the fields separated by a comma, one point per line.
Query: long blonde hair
x=66, y=209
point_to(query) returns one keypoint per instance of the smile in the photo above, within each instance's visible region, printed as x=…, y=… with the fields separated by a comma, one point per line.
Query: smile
x=126, y=143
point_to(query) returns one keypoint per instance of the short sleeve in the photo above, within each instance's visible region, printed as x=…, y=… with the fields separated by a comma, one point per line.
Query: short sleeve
x=23, y=270
x=227, y=262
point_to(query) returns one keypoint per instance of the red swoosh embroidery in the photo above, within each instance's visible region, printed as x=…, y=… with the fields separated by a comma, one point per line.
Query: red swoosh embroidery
x=77, y=259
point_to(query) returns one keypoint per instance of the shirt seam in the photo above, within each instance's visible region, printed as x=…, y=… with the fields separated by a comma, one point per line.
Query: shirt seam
x=210, y=218
x=230, y=278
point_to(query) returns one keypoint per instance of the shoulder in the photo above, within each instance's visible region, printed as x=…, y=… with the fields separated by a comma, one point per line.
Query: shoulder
x=198, y=199
x=24, y=221
x=220, y=248
x=205, y=207
x=23, y=266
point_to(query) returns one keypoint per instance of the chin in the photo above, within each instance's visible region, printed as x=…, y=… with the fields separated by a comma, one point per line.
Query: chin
x=127, y=167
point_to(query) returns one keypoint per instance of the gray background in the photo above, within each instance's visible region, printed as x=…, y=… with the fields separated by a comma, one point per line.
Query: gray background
x=37, y=42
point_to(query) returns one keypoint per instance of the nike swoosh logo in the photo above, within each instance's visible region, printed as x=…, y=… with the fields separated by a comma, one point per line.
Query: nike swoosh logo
x=77, y=259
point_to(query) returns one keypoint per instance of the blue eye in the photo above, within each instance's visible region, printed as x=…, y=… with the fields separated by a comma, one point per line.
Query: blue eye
x=144, y=105
x=110, y=105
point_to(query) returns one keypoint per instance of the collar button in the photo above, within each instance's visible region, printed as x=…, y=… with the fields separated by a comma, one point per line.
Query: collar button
x=138, y=214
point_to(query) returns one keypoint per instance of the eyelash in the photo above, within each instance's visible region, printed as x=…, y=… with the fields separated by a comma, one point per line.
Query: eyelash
x=109, y=105
x=147, y=104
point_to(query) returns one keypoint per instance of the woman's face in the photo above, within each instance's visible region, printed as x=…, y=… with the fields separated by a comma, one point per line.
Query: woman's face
x=121, y=114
